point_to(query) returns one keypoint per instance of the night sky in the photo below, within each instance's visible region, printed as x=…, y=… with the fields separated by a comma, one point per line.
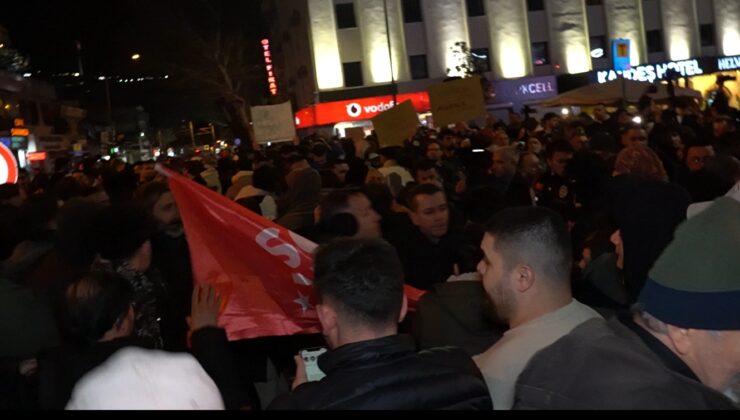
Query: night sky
x=111, y=31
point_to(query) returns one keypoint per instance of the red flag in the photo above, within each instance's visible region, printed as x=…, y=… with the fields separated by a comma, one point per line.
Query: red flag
x=264, y=271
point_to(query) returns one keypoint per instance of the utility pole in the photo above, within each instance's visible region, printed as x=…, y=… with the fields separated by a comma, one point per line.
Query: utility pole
x=79, y=60
x=192, y=133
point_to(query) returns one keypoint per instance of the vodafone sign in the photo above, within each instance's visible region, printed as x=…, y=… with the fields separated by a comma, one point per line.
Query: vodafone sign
x=356, y=109
x=8, y=166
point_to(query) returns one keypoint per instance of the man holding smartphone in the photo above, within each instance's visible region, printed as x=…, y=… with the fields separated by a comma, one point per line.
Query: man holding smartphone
x=369, y=366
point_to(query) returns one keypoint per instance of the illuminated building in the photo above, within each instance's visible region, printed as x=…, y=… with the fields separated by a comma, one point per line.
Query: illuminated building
x=375, y=48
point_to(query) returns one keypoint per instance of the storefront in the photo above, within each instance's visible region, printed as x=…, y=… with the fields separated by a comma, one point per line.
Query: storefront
x=357, y=112
x=704, y=74
x=517, y=93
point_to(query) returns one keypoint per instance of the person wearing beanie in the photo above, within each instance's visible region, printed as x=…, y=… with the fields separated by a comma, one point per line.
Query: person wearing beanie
x=678, y=349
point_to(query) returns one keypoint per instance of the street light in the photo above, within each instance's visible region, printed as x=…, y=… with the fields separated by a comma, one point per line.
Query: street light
x=136, y=57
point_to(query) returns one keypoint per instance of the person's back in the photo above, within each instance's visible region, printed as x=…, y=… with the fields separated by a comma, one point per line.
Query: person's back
x=676, y=350
x=614, y=370
x=359, y=284
x=388, y=374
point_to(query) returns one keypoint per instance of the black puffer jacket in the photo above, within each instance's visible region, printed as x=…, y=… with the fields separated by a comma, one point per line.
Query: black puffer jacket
x=388, y=374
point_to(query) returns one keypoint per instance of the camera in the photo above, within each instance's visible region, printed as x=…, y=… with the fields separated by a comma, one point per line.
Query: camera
x=721, y=79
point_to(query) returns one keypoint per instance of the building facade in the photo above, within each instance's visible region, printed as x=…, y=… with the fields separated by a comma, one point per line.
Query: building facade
x=366, y=43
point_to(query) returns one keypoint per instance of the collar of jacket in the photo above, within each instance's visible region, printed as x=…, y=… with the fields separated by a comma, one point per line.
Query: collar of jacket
x=367, y=354
x=666, y=355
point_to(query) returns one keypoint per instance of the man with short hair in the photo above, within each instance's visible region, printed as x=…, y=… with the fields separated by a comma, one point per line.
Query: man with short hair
x=426, y=172
x=555, y=189
x=633, y=134
x=428, y=249
x=678, y=350
x=526, y=274
x=696, y=155
x=506, y=180
x=347, y=214
x=359, y=288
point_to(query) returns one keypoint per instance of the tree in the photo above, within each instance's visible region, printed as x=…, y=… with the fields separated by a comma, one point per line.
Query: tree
x=468, y=66
x=217, y=54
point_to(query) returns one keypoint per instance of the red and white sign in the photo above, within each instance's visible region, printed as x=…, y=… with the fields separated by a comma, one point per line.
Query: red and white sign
x=36, y=156
x=269, y=67
x=8, y=166
x=356, y=109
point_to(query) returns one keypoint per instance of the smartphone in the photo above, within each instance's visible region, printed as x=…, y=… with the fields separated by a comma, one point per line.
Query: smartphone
x=310, y=360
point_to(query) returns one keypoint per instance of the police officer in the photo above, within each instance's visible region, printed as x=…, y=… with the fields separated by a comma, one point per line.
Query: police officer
x=555, y=189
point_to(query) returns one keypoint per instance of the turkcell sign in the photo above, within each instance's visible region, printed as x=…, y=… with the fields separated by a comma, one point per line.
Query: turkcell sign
x=527, y=89
x=652, y=72
x=728, y=63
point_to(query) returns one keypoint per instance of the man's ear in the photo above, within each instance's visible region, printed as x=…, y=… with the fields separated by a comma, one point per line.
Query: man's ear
x=523, y=277
x=413, y=217
x=680, y=339
x=327, y=318
x=404, y=309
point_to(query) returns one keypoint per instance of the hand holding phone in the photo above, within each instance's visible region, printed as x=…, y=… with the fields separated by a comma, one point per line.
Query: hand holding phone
x=310, y=359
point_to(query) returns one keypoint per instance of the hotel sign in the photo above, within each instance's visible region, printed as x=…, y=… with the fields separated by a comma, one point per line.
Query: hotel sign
x=728, y=63
x=269, y=67
x=652, y=72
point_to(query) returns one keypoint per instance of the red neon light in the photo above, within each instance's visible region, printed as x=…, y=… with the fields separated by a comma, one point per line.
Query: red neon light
x=271, y=79
x=356, y=109
x=36, y=156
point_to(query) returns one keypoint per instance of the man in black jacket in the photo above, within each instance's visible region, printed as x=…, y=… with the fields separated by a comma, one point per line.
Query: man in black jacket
x=359, y=284
x=429, y=244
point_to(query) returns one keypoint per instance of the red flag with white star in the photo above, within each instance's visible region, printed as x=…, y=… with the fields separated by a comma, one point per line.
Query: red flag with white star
x=263, y=270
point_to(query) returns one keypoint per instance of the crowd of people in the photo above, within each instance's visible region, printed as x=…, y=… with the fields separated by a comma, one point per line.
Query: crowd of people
x=559, y=268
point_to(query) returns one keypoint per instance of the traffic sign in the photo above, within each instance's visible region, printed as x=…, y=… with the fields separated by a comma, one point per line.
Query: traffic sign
x=8, y=166
x=621, y=53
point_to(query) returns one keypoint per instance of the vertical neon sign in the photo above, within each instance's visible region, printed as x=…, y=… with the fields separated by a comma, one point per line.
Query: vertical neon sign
x=271, y=79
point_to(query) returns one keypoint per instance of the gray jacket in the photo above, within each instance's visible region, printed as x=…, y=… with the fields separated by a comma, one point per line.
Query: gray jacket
x=606, y=365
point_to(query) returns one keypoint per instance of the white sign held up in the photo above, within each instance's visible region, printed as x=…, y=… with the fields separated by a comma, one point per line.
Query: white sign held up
x=273, y=123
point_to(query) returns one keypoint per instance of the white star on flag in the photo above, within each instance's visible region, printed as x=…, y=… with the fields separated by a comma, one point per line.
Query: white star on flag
x=304, y=302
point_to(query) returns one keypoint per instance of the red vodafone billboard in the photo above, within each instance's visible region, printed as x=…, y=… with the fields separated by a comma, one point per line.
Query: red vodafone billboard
x=356, y=109
x=8, y=166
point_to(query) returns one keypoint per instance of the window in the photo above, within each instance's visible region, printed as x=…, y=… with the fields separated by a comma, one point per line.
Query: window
x=481, y=59
x=540, y=54
x=353, y=74
x=599, y=49
x=654, y=41
x=535, y=5
x=707, y=35
x=419, y=67
x=345, y=16
x=594, y=2
x=412, y=11
x=476, y=8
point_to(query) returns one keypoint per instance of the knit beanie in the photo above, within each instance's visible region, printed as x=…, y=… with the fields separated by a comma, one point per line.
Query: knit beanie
x=696, y=281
